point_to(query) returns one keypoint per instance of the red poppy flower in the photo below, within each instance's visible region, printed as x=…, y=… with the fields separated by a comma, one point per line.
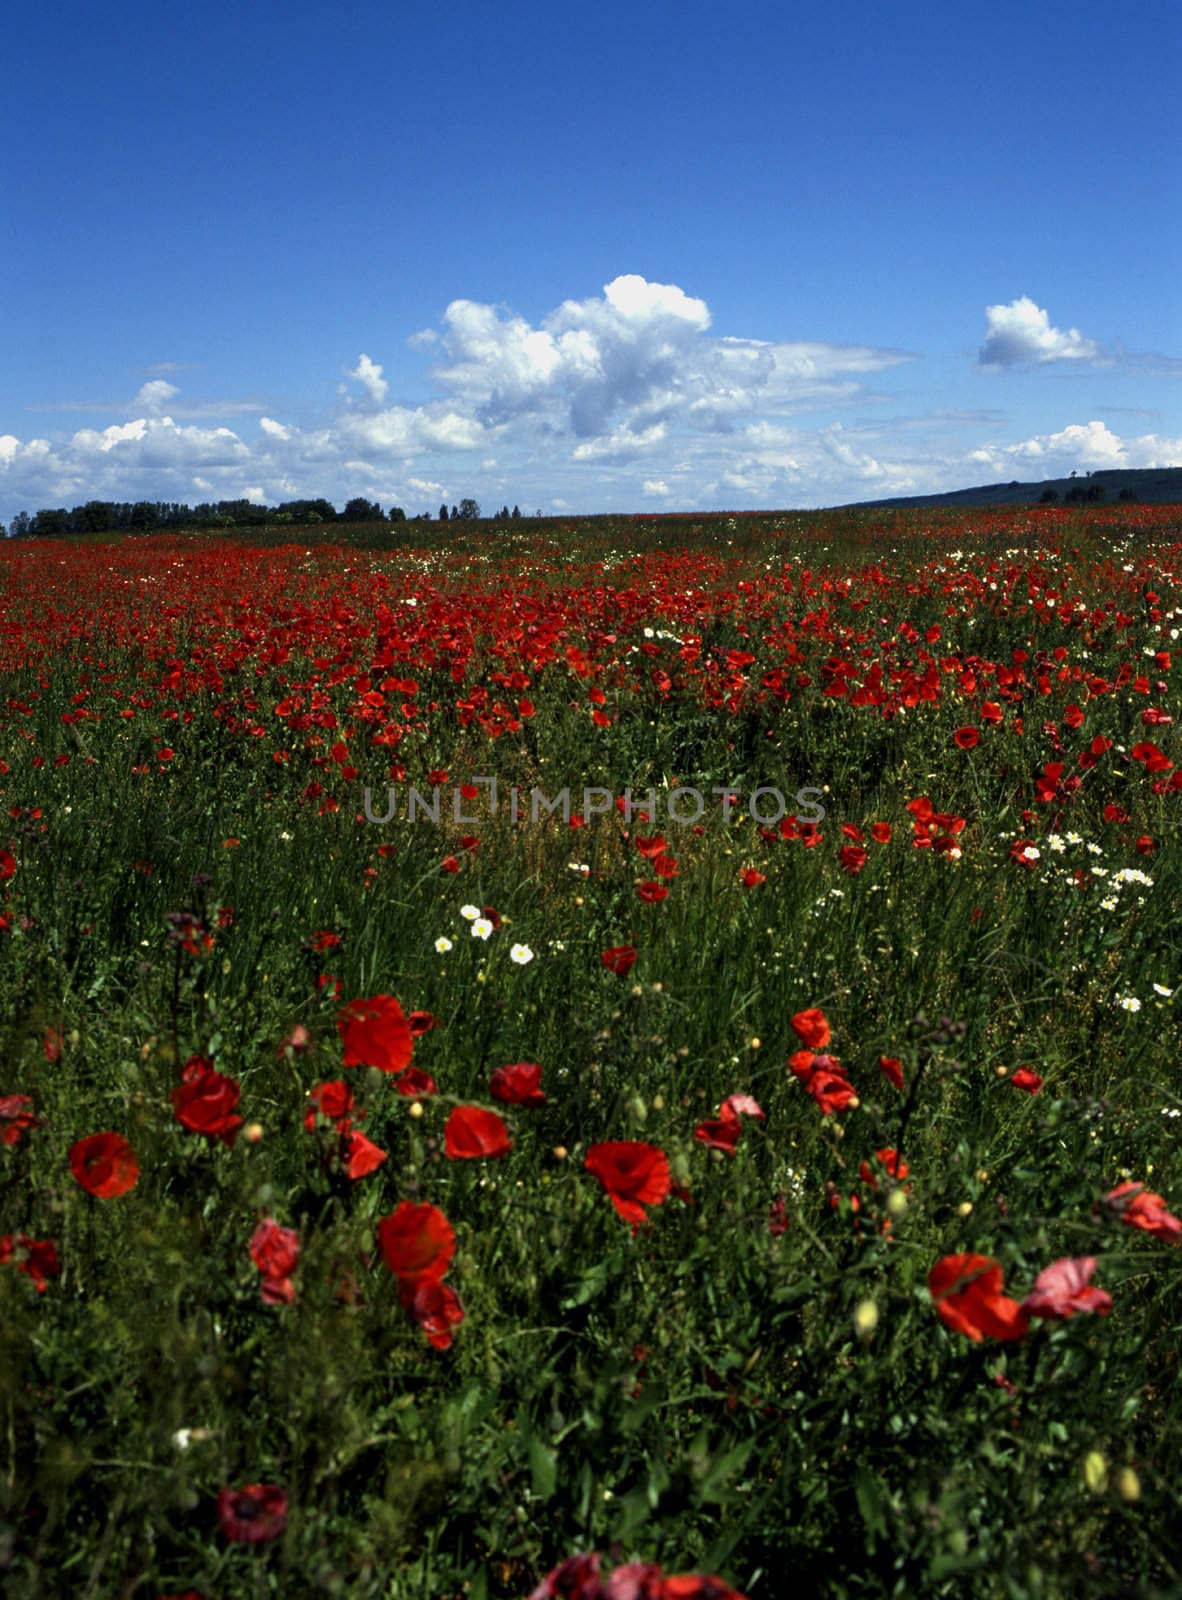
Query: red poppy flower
x=889, y=1159
x=415, y=1083
x=740, y=1105
x=252, y=1515
x=1154, y=760
x=275, y=1251
x=416, y=1242
x=620, y=959
x=204, y=1101
x=359, y=1155
x=7, y=865
x=1137, y=1206
x=1026, y=1078
x=16, y=1117
x=634, y=1174
x=750, y=879
x=825, y=1079
x=375, y=1033
x=967, y=1294
x=892, y=1070
x=652, y=891
x=695, y=1586
x=105, y=1165
x=518, y=1085
x=421, y=1022
x=472, y=1132
x=1062, y=1289
x=436, y=1308
x=576, y=1578
x=36, y=1258
x=880, y=832
x=650, y=848
x=332, y=1100
x=721, y=1133
x=853, y=858
x=812, y=1028
x=966, y=738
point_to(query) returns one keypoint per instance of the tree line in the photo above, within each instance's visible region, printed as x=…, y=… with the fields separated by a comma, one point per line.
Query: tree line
x=151, y=516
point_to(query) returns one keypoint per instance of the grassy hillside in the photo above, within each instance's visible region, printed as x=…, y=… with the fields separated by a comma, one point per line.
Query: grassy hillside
x=1153, y=486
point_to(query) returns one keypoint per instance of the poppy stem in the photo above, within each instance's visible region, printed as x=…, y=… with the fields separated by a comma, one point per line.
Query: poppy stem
x=911, y=1102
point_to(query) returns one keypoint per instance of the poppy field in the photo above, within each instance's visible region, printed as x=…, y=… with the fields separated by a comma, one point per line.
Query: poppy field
x=755, y=1175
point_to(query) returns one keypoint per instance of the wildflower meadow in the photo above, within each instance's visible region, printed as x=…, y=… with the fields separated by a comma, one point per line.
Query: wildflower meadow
x=717, y=1137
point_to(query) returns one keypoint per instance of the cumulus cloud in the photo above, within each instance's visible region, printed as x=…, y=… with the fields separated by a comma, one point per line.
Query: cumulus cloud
x=369, y=376
x=154, y=396
x=639, y=354
x=1020, y=334
x=620, y=399
x=1090, y=445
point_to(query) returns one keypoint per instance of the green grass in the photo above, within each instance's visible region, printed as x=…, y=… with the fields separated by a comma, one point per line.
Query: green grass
x=705, y=1393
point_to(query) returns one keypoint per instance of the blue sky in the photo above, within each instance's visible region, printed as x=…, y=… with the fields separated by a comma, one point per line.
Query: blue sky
x=636, y=257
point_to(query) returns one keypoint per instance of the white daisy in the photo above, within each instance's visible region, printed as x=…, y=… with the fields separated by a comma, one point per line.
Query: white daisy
x=481, y=928
x=443, y=945
x=469, y=913
x=521, y=954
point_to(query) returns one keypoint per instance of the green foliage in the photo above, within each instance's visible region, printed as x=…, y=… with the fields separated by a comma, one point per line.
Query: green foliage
x=711, y=1392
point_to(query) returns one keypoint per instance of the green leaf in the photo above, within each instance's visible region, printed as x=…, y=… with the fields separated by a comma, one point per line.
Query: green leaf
x=871, y=1503
x=592, y=1283
x=543, y=1468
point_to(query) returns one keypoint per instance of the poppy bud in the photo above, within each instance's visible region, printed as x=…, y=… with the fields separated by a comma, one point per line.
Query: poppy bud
x=1128, y=1484
x=637, y=1109
x=416, y=1108
x=1095, y=1471
x=896, y=1203
x=865, y=1319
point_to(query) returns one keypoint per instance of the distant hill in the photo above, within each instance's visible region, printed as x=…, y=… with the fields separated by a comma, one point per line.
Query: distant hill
x=1153, y=486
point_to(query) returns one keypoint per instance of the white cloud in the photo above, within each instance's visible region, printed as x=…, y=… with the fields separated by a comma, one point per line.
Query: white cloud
x=405, y=431
x=1089, y=445
x=620, y=445
x=154, y=396
x=1020, y=334
x=638, y=355
x=625, y=398
x=369, y=376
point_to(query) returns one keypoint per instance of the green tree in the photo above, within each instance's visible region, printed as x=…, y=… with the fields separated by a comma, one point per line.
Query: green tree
x=362, y=510
x=469, y=511
x=49, y=524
